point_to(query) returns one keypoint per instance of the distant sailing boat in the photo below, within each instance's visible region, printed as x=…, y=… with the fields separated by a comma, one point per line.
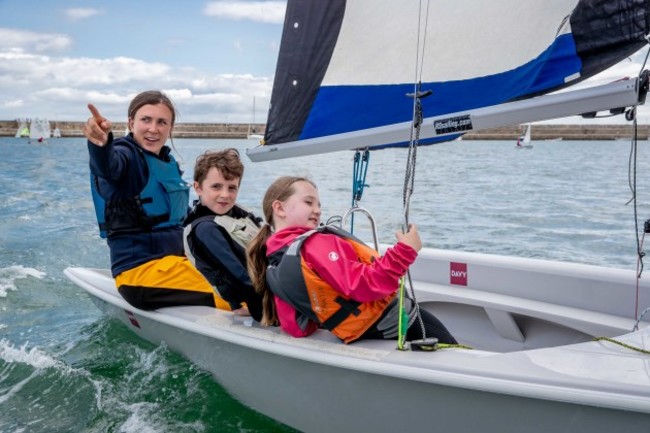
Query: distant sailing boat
x=23, y=129
x=39, y=130
x=523, y=141
x=251, y=127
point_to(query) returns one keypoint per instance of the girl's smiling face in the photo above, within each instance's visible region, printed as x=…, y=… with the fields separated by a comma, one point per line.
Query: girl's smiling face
x=302, y=208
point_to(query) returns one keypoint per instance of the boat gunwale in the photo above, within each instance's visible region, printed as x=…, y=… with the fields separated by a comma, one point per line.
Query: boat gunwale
x=442, y=375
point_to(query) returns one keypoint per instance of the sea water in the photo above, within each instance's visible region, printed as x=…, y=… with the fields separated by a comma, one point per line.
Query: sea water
x=66, y=368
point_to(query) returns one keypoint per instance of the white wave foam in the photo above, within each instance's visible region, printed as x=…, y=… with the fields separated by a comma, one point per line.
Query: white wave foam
x=8, y=277
x=140, y=419
x=144, y=417
x=149, y=363
x=34, y=356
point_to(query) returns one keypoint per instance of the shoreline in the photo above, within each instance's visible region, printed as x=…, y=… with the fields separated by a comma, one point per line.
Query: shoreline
x=240, y=130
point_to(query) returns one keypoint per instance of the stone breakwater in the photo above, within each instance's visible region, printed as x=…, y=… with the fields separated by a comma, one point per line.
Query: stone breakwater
x=181, y=130
x=240, y=130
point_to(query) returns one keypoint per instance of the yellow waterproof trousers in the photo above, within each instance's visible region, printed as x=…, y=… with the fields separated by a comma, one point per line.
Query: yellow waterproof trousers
x=166, y=282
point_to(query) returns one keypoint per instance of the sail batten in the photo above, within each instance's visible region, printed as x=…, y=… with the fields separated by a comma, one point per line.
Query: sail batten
x=348, y=66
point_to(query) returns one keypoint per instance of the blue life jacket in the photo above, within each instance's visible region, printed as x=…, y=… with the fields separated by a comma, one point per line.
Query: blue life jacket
x=163, y=202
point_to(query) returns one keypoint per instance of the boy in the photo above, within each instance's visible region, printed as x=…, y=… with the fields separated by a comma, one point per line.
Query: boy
x=217, y=231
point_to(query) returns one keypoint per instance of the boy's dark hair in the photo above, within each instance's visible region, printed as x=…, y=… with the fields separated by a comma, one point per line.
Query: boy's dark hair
x=227, y=161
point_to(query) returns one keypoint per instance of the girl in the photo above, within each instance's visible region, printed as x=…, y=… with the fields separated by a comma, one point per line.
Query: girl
x=313, y=276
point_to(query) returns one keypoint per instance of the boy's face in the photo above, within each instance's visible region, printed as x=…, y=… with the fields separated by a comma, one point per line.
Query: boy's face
x=216, y=193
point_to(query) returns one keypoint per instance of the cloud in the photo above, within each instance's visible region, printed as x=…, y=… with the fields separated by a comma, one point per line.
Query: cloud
x=12, y=104
x=259, y=11
x=14, y=39
x=60, y=87
x=76, y=14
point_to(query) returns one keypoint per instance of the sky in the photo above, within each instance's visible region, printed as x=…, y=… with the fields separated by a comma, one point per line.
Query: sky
x=214, y=58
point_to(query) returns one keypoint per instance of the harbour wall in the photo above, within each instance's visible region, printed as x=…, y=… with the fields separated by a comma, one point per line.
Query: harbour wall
x=240, y=130
x=181, y=130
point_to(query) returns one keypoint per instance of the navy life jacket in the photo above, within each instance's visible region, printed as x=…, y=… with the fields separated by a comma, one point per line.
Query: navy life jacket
x=163, y=202
x=240, y=228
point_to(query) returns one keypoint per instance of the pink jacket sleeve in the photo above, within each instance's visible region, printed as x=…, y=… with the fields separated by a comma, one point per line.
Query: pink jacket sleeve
x=335, y=261
x=288, y=323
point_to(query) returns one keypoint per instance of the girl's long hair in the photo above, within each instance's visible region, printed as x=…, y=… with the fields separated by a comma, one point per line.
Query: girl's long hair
x=281, y=189
x=256, y=262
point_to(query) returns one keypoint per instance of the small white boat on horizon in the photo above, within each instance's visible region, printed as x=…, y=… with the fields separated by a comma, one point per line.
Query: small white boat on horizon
x=255, y=137
x=39, y=130
x=524, y=141
x=23, y=130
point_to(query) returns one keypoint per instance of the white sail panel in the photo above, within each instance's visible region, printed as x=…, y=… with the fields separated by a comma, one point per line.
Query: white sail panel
x=374, y=50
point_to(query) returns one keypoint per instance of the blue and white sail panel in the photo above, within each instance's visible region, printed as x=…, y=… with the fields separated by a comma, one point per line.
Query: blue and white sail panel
x=347, y=66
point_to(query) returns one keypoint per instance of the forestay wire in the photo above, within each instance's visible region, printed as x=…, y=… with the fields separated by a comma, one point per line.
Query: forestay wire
x=632, y=181
x=409, y=175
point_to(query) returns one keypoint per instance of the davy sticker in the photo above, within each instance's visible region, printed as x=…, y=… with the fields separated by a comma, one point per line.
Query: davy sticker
x=458, y=273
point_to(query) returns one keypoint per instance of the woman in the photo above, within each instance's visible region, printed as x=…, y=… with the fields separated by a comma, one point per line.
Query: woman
x=312, y=276
x=141, y=201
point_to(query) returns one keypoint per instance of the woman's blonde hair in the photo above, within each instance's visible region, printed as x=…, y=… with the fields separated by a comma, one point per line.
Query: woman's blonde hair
x=281, y=189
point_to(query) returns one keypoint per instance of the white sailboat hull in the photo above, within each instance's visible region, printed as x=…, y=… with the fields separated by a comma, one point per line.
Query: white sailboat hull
x=535, y=366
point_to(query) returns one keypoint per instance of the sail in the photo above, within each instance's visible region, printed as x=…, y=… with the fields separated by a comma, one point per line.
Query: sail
x=39, y=129
x=525, y=137
x=345, y=67
x=524, y=140
x=23, y=130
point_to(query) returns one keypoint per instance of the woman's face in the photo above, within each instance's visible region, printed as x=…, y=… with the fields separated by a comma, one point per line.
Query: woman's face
x=151, y=126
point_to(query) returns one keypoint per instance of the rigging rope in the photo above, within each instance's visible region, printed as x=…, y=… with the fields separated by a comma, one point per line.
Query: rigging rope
x=632, y=175
x=632, y=170
x=620, y=343
x=409, y=175
x=636, y=325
